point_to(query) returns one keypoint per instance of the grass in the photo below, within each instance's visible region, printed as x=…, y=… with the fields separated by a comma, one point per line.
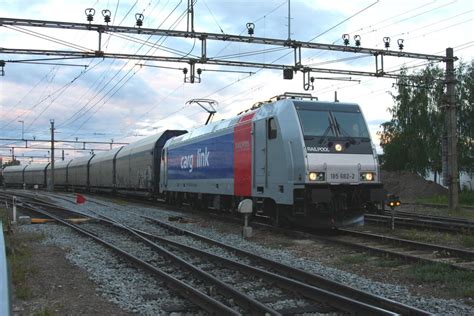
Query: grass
x=465, y=198
x=279, y=244
x=45, y=312
x=436, y=237
x=388, y=262
x=467, y=241
x=19, y=259
x=353, y=259
x=425, y=236
x=3, y=216
x=459, y=283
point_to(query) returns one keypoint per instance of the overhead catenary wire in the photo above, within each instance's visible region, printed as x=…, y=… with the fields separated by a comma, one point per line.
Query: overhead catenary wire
x=240, y=79
x=213, y=17
x=146, y=43
x=135, y=72
x=345, y=20
x=48, y=38
x=373, y=30
x=85, y=109
x=98, y=82
x=87, y=119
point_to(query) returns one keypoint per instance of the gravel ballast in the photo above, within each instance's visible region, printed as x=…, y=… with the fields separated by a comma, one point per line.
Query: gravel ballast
x=137, y=292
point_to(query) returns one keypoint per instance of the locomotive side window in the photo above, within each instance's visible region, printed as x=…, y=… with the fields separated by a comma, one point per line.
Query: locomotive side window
x=272, y=129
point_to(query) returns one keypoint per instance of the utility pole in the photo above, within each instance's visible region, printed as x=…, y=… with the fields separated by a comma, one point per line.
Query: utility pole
x=451, y=130
x=52, y=156
x=22, y=129
x=289, y=20
x=13, y=153
x=190, y=16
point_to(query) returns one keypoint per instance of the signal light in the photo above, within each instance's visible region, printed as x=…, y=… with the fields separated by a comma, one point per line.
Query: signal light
x=393, y=201
x=288, y=73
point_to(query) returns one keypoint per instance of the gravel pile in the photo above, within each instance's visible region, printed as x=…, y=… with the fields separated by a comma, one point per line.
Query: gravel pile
x=96, y=260
x=409, y=186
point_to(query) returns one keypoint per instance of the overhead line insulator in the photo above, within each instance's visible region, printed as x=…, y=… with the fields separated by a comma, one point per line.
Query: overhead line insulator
x=90, y=12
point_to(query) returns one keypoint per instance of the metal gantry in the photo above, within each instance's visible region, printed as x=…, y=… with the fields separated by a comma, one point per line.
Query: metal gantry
x=297, y=65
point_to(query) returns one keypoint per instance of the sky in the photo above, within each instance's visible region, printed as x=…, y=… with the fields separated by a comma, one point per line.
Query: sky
x=125, y=100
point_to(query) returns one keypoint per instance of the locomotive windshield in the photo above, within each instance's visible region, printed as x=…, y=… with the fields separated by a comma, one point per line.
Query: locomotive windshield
x=325, y=125
x=333, y=123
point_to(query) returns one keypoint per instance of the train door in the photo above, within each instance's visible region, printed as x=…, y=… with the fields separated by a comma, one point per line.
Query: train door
x=164, y=168
x=260, y=156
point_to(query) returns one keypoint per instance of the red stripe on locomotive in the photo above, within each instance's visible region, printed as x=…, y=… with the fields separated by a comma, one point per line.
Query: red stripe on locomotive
x=243, y=156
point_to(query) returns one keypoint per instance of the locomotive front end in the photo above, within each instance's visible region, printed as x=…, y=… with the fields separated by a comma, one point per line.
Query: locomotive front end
x=342, y=171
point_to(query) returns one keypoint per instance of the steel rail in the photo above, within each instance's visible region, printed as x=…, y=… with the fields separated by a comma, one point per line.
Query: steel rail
x=394, y=254
x=311, y=292
x=447, y=219
x=317, y=294
x=462, y=253
x=295, y=273
x=245, y=300
x=304, y=276
x=289, y=272
x=200, y=299
x=335, y=300
x=428, y=224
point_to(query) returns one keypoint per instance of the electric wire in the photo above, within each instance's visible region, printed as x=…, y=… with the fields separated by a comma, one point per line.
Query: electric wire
x=48, y=38
x=160, y=47
x=32, y=88
x=84, y=109
x=258, y=19
x=163, y=37
x=431, y=24
x=251, y=53
x=345, y=20
x=255, y=21
x=41, y=100
x=213, y=17
x=62, y=90
x=98, y=82
x=240, y=79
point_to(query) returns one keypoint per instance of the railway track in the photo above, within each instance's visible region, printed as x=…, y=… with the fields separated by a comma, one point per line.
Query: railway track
x=411, y=220
x=407, y=250
x=402, y=249
x=258, y=275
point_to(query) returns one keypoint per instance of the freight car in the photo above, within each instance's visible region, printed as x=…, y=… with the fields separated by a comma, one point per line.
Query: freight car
x=300, y=160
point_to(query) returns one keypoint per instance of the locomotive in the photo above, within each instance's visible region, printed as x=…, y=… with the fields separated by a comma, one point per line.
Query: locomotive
x=301, y=161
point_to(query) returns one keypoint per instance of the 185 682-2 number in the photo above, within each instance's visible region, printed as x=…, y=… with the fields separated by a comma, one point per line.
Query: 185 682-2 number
x=342, y=176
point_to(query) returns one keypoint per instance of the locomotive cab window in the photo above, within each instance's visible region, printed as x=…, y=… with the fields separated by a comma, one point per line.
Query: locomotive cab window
x=272, y=128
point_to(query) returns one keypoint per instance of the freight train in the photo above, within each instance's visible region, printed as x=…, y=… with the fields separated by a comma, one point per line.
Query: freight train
x=301, y=161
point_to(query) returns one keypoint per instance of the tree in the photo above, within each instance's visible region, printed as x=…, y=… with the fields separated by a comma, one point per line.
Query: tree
x=412, y=139
x=465, y=94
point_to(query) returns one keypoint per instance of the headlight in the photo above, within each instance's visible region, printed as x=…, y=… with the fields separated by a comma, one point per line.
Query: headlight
x=367, y=176
x=317, y=176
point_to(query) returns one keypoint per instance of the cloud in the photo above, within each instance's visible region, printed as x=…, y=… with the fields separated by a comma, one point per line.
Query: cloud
x=106, y=102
